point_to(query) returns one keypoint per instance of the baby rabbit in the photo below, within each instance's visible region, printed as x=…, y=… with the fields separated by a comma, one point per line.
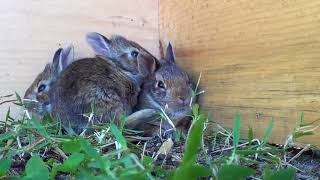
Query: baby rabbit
x=123, y=53
x=36, y=98
x=168, y=89
x=111, y=86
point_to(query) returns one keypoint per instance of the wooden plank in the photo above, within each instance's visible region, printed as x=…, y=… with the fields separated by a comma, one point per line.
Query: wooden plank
x=257, y=57
x=32, y=30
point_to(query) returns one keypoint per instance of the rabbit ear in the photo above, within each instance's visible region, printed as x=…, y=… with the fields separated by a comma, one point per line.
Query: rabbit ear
x=66, y=57
x=170, y=57
x=146, y=65
x=99, y=43
x=62, y=58
x=56, y=59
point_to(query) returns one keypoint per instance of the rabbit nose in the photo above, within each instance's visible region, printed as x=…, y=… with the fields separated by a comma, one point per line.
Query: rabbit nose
x=183, y=101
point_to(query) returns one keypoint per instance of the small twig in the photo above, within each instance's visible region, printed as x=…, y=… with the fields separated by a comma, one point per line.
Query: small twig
x=144, y=149
x=118, y=147
x=115, y=153
x=259, y=143
x=61, y=153
x=179, y=159
x=133, y=138
x=225, y=133
x=168, y=119
x=44, y=152
x=30, y=146
x=230, y=148
x=153, y=155
x=299, y=154
x=164, y=160
x=107, y=145
x=295, y=168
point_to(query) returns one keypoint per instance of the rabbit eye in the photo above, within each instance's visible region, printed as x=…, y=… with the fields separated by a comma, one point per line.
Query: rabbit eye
x=41, y=88
x=161, y=85
x=134, y=54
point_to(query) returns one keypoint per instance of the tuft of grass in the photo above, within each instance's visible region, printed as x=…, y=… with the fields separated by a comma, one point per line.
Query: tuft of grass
x=236, y=137
x=267, y=133
x=110, y=154
x=189, y=169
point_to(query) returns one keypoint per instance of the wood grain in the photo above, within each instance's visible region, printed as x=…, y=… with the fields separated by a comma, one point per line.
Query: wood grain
x=32, y=30
x=257, y=57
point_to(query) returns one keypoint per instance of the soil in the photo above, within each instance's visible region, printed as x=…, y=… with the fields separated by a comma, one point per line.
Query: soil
x=307, y=164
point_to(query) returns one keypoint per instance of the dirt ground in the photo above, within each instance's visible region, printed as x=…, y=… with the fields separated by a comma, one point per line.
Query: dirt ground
x=307, y=164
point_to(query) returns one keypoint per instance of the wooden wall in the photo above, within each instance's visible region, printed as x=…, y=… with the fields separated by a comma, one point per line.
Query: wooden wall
x=257, y=57
x=31, y=30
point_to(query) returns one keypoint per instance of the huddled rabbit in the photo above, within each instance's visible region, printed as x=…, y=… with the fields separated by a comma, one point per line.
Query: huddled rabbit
x=167, y=89
x=36, y=98
x=111, y=86
x=123, y=53
x=111, y=82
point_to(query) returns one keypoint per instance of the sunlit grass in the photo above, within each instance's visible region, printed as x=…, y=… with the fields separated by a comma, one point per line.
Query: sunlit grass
x=109, y=152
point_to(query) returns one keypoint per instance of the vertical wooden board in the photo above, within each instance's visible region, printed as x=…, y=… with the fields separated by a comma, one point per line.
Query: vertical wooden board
x=32, y=30
x=257, y=57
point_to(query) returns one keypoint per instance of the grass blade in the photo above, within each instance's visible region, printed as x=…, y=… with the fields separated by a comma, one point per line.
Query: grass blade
x=250, y=135
x=267, y=133
x=118, y=135
x=236, y=136
x=236, y=131
x=233, y=171
x=4, y=166
x=283, y=174
x=186, y=170
x=7, y=135
x=36, y=169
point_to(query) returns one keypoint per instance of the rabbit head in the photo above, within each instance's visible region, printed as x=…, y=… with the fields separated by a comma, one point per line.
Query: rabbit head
x=126, y=54
x=36, y=98
x=168, y=89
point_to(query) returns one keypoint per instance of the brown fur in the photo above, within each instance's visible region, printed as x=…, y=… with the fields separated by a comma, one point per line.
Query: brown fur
x=37, y=101
x=92, y=80
x=114, y=83
x=174, y=97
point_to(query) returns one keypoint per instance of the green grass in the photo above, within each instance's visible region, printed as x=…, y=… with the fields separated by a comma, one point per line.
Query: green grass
x=44, y=152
